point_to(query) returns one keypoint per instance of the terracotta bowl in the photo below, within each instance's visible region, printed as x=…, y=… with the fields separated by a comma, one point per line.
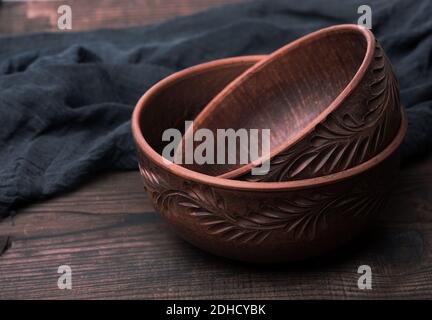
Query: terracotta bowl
x=181, y=96
x=330, y=100
x=251, y=221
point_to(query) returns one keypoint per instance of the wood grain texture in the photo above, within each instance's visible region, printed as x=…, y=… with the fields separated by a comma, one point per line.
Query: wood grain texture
x=119, y=248
x=32, y=16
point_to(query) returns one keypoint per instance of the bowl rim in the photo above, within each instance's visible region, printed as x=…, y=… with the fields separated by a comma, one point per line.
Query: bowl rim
x=304, y=132
x=238, y=185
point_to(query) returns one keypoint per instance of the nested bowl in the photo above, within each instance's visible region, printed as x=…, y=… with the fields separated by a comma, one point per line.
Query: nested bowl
x=251, y=221
x=330, y=100
x=181, y=96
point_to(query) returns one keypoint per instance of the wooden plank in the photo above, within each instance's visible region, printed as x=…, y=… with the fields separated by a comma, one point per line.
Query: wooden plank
x=125, y=250
x=140, y=259
x=111, y=193
x=32, y=16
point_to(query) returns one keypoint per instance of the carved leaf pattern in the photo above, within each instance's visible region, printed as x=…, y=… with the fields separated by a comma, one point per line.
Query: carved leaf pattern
x=342, y=140
x=299, y=218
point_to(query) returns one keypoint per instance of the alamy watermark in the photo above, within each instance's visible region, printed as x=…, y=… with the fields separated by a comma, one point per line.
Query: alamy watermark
x=64, y=21
x=365, y=20
x=64, y=282
x=225, y=146
x=64, y=11
x=365, y=280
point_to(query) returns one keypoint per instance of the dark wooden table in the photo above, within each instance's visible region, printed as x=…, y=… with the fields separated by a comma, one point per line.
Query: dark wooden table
x=118, y=247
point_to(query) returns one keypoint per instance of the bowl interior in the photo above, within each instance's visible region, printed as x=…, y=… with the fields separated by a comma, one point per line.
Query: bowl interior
x=183, y=95
x=286, y=93
x=148, y=155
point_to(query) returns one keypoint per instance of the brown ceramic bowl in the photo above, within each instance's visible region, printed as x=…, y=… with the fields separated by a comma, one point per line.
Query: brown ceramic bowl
x=251, y=221
x=330, y=99
x=181, y=96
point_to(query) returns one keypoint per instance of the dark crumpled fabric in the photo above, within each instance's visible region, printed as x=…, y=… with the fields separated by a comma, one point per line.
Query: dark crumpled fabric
x=66, y=98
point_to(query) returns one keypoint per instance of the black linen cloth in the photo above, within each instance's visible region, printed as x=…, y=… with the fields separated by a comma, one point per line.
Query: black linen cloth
x=66, y=98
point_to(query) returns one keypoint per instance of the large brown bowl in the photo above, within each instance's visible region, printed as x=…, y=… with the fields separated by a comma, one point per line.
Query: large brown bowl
x=181, y=96
x=330, y=100
x=260, y=222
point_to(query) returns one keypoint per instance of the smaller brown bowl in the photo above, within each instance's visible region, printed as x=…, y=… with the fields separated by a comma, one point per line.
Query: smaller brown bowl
x=330, y=100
